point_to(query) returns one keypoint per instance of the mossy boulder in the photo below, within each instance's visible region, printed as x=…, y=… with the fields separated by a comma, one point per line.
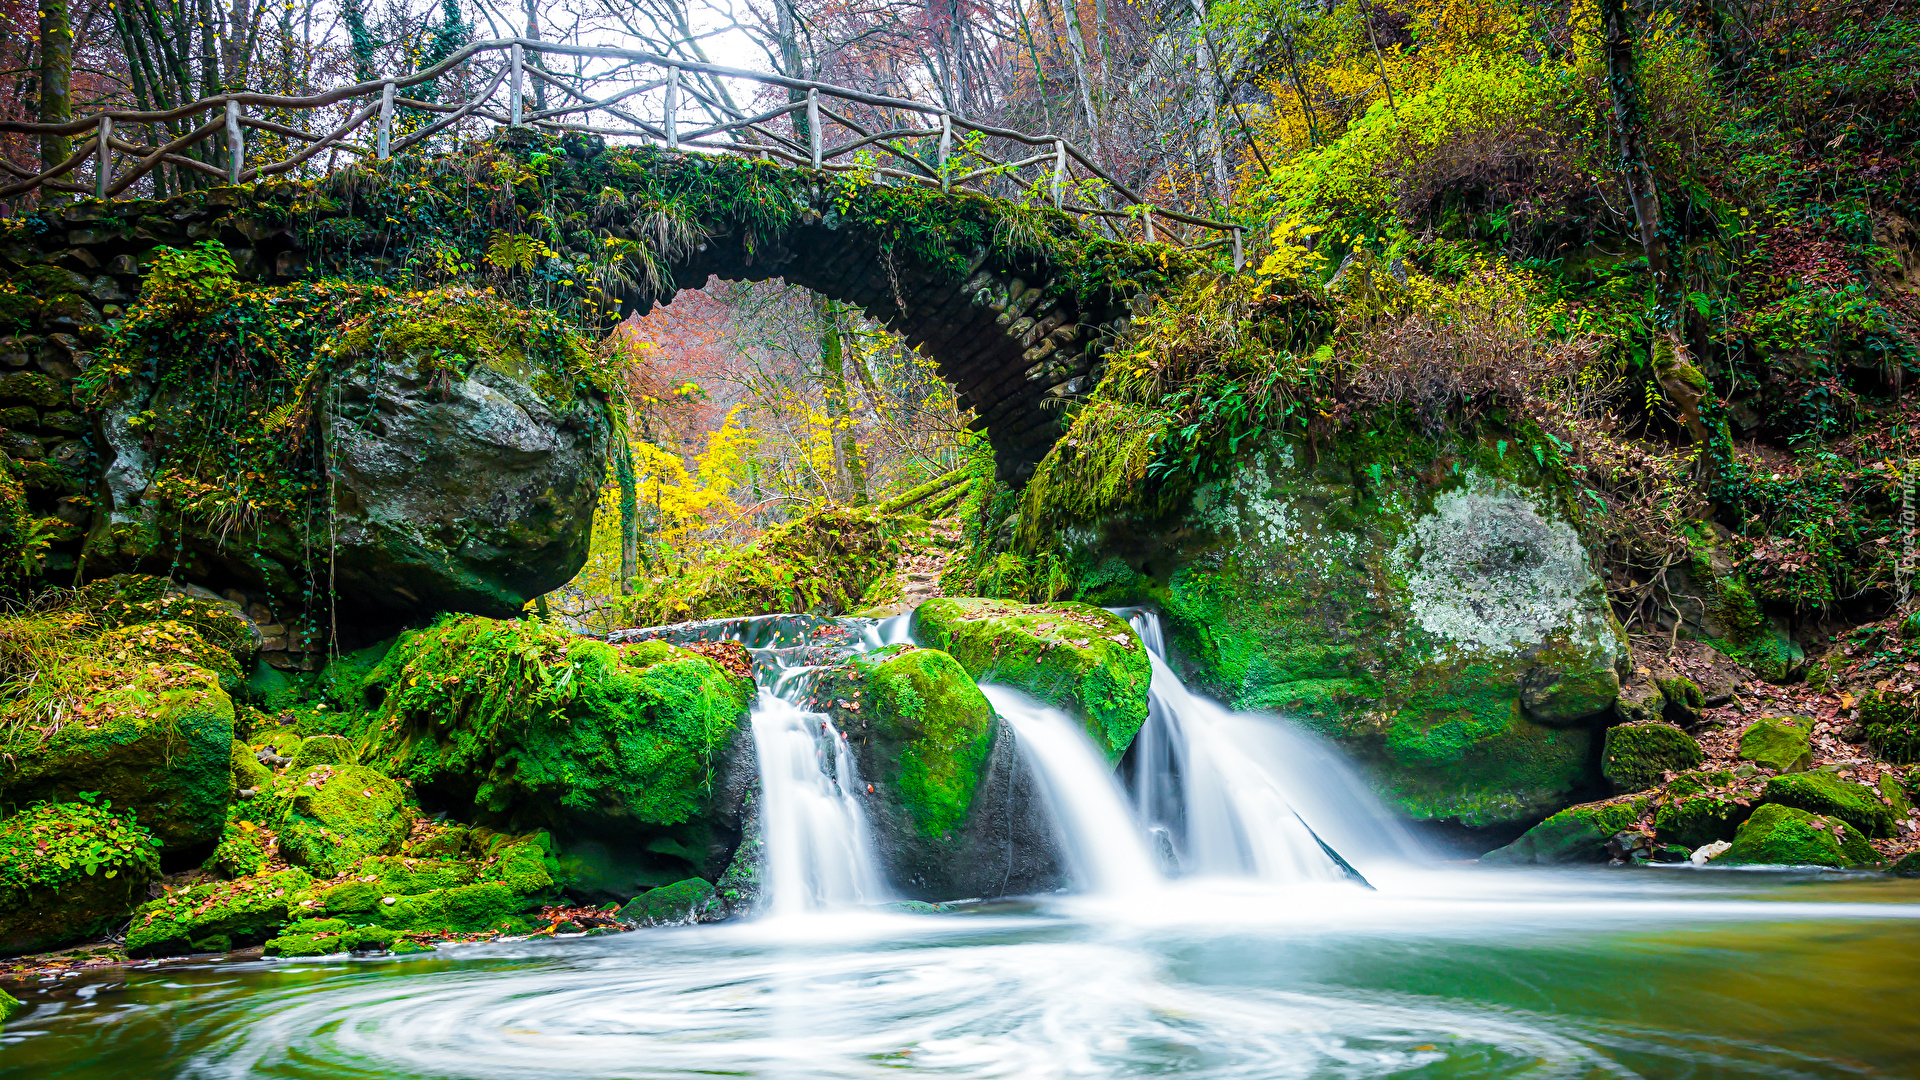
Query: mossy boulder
x=68, y=872
x=217, y=916
x=680, y=902
x=322, y=750
x=245, y=848
x=487, y=892
x=473, y=490
x=1635, y=757
x=324, y=937
x=9, y=1006
x=1780, y=743
x=1698, y=808
x=338, y=815
x=1083, y=660
x=247, y=773
x=950, y=802
x=1859, y=805
x=153, y=738
x=1425, y=601
x=1786, y=836
x=1575, y=835
x=528, y=725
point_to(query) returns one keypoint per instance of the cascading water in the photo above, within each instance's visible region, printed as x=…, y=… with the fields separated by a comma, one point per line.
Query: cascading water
x=1239, y=794
x=1090, y=814
x=817, y=851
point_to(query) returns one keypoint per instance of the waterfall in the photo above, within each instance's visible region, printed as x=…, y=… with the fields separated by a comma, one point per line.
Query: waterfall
x=1243, y=794
x=816, y=847
x=1091, y=819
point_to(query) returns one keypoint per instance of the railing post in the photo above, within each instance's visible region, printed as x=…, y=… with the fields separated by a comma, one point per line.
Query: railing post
x=673, y=107
x=1059, y=173
x=1239, y=260
x=946, y=149
x=383, y=142
x=513, y=94
x=103, y=159
x=236, y=143
x=813, y=124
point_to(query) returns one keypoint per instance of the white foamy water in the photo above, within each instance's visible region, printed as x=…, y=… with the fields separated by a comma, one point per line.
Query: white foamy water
x=1096, y=832
x=816, y=848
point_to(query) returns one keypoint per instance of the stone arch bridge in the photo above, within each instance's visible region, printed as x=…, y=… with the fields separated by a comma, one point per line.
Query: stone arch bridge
x=1016, y=306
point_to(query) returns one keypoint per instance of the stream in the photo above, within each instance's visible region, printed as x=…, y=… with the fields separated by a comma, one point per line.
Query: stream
x=1246, y=910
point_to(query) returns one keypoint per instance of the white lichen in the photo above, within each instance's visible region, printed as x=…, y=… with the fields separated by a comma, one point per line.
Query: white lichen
x=1486, y=571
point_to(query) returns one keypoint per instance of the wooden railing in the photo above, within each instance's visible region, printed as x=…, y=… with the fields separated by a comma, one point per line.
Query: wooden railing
x=924, y=144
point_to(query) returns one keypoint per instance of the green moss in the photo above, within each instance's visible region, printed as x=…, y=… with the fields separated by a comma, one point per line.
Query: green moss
x=1697, y=808
x=1785, y=836
x=526, y=721
x=1892, y=727
x=69, y=871
x=1080, y=659
x=1527, y=770
x=683, y=901
x=1683, y=697
x=1858, y=805
x=10, y=1006
x=322, y=750
x=1636, y=756
x=324, y=937
x=1780, y=743
x=1574, y=835
x=245, y=912
x=155, y=739
x=248, y=773
x=931, y=730
x=338, y=815
x=245, y=849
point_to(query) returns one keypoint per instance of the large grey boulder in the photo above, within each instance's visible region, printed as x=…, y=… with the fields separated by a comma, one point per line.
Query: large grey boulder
x=449, y=493
x=1427, y=602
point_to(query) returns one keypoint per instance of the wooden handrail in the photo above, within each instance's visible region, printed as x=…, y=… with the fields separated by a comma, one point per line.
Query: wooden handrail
x=750, y=135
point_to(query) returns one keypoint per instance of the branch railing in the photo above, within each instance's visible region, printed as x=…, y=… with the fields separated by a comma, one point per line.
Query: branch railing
x=615, y=93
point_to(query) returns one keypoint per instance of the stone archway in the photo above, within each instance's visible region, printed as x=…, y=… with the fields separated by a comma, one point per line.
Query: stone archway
x=1016, y=306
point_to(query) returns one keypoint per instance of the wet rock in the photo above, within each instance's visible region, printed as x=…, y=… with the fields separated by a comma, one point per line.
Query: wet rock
x=1859, y=805
x=237, y=913
x=951, y=803
x=69, y=872
x=686, y=901
x=1080, y=659
x=1427, y=603
x=1783, y=835
x=9, y=1006
x=1698, y=808
x=1574, y=835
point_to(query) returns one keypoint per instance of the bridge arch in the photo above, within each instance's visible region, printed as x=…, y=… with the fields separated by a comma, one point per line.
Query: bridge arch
x=1016, y=305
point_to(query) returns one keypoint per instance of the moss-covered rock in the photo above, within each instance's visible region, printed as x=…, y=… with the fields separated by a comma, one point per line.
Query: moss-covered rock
x=681, y=902
x=1698, y=808
x=9, y=1006
x=931, y=730
x=322, y=750
x=245, y=849
x=1859, y=805
x=1785, y=836
x=1574, y=835
x=528, y=725
x=248, y=774
x=217, y=916
x=1080, y=659
x=340, y=814
x=1426, y=601
x=153, y=738
x=1780, y=743
x=1636, y=756
x=69, y=871
x=324, y=937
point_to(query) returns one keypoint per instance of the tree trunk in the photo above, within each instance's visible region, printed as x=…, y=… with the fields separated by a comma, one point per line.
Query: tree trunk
x=56, y=83
x=851, y=470
x=1077, y=50
x=1206, y=86
x=1673, y=367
